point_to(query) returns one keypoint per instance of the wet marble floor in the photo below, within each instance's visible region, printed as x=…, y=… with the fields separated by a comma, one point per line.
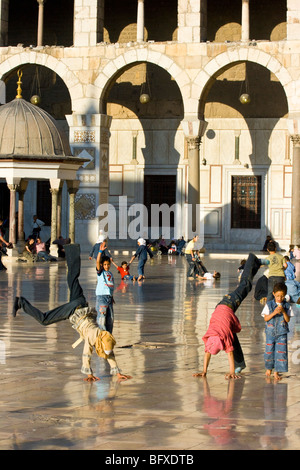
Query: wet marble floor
x=46, y=405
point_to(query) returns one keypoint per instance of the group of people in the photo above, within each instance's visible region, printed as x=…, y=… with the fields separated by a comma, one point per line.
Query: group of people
x=95, y=325
x=35, y=250
x=175, y=247
x=141, y=254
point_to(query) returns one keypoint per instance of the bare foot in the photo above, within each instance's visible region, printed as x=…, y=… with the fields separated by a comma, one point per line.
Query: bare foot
x=268, y=373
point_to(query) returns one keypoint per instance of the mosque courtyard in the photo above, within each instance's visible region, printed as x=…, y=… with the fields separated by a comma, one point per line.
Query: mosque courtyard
x=46, y=405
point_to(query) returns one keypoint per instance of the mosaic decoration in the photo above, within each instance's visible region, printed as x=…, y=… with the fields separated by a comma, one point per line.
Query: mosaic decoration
x=85, y=152
x=85, y=206
x=84, y=136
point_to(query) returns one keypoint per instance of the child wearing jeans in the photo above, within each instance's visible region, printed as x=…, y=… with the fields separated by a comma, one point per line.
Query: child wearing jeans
x=276, y=314
x=142, y=254
x=104, y=295
x=224, y=324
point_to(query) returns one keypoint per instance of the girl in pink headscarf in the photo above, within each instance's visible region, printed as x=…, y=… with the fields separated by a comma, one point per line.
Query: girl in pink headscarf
x=224, y=324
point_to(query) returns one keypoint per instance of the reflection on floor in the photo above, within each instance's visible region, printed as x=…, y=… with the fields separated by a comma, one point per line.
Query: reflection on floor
x=159, y=323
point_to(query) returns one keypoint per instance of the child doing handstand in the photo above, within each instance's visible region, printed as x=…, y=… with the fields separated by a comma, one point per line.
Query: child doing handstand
x=224, y=324
x=81, y=316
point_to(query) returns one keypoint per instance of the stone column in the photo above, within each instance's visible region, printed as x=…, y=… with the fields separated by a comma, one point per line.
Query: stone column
x=89, y=138
x=192, y=21
x=85, y=23
x=21, y=191
x=194, y=129
x=295, y=226
x=58, y=214
x=40, y=32
x=12, y=186
x=54, y=190
x=194, y=176
x=245, y=21
x=73, y=187
x=140, y=21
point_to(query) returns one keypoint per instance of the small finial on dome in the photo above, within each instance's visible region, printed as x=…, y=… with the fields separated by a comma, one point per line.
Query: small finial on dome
x=19, y=89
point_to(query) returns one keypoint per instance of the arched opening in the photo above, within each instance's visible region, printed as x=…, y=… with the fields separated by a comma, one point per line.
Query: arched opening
x=245, y=148
x=145, y=151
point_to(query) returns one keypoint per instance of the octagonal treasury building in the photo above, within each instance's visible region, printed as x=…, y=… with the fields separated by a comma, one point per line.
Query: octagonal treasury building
x=194, y=104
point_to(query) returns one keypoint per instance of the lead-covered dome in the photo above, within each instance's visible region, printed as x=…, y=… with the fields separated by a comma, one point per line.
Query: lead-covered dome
x=27, y=130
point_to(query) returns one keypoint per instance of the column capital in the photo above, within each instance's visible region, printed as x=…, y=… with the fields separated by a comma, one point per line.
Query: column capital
x=12, y=186
x=54, y=190
x=295, y=138
x=193, y=143
x=73, y=186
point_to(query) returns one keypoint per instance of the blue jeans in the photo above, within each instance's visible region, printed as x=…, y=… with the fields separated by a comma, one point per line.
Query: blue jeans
x=44, y=255
x=76, y=293
x=276, y=354
x=293, y=290
x=234, y=300
x=192, y=266
x=141, y=267
x=236, y=297
x=105, y=312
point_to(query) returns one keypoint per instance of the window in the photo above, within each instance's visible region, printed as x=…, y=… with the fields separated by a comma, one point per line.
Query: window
x=246, y=202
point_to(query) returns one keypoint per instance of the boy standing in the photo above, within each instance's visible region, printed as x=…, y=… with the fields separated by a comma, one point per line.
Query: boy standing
x=276, y=314
x=104, y=295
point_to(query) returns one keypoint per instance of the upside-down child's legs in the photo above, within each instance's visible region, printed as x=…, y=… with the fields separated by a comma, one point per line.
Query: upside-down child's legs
x=76, y=294
x=235, y=298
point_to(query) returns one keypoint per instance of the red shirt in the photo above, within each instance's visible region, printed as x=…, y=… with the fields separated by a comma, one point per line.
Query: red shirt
x=223, y=323
x=123, y=272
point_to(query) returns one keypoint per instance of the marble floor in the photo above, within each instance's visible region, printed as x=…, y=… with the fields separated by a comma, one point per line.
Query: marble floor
x=46, y=405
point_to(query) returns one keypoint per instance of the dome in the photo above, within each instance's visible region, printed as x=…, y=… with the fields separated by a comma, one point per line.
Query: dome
x=27, y=130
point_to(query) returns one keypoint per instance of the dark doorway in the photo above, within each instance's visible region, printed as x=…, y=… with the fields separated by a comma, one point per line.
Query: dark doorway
x=159, y=189
x=4, y=201
x=43, y=202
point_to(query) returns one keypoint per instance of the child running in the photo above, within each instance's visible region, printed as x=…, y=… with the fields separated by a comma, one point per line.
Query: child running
x=82, y=318
x=142, y=254
x=276, y=314
x=224, y=324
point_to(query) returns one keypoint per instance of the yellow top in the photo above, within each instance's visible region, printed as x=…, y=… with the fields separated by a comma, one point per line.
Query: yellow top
x=19, y=89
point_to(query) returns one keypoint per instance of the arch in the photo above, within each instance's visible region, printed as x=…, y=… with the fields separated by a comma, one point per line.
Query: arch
x=134, y=56
x=72, y=83
x=251, y=54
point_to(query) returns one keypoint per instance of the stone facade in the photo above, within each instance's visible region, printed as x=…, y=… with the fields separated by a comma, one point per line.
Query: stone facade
x=195, y=85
